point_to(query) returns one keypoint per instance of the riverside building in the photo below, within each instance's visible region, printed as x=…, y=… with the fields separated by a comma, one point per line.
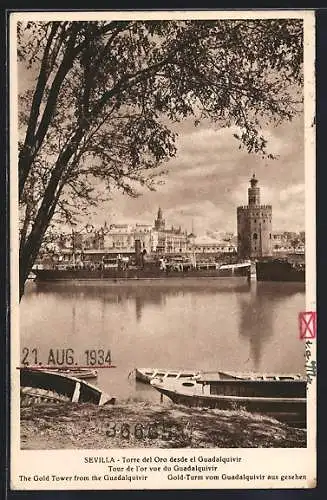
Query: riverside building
x=124, y=238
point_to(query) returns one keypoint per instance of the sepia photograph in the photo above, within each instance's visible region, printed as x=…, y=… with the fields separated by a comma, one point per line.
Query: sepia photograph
x=163, y=249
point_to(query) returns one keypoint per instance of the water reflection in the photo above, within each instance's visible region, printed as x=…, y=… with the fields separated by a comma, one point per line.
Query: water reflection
x=141, y=294
x=195, y=327
x=258, y=310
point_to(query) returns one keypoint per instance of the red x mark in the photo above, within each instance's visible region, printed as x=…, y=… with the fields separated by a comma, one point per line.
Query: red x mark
x=308, y=325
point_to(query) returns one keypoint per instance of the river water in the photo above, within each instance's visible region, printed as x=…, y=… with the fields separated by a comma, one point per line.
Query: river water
x=244, y=328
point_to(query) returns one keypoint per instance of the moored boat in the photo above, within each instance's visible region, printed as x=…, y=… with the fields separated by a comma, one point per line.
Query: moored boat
x=75, y=389
x=235, y=272
x=81, y=373
x=280, y=270
x=147, y=374
x=279, y=396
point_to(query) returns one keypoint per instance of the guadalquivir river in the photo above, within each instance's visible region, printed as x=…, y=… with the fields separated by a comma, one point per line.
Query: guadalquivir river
x=208, y=327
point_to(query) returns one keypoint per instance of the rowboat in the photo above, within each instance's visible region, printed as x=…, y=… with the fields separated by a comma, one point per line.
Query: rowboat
x=75, y=389
x=147, y=374
x=277, y=395
x=81, y=373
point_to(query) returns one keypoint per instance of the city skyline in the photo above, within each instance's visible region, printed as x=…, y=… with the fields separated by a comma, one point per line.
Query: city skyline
x=209, y=178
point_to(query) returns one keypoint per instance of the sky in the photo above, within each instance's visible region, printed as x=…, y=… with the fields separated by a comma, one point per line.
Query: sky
x=209, y=178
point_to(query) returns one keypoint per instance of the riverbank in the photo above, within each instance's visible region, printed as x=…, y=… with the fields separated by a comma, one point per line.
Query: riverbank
x=66, y=425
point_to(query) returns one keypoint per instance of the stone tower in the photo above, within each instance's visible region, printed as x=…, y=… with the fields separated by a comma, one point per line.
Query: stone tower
x=254, y=226
x=159, y=223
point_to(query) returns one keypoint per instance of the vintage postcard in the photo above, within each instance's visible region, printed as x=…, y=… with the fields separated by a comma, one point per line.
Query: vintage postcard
x=163, y=274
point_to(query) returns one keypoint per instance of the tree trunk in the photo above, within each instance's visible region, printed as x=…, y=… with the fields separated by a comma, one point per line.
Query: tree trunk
x=29, y=252
x=24, y=270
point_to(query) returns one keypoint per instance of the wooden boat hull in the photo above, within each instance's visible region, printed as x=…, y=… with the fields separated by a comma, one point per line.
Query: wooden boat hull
x=282, y=401
x=75, y=389
x=145, y=375
x=80, y=373
x=293, y=412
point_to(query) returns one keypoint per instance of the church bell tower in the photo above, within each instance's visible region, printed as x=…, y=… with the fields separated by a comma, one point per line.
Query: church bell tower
x=159, y=223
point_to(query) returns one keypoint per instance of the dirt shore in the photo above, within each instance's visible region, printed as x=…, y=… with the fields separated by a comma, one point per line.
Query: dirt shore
x=67, y=425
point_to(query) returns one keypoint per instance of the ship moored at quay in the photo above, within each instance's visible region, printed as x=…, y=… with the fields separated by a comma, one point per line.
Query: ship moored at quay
x=289, y=270
x=118, y=270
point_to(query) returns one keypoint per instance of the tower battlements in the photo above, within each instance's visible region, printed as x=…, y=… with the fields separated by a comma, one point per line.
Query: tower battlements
x=253, y=207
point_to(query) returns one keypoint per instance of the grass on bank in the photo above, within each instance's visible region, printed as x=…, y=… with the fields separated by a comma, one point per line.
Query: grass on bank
x=66, y=425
